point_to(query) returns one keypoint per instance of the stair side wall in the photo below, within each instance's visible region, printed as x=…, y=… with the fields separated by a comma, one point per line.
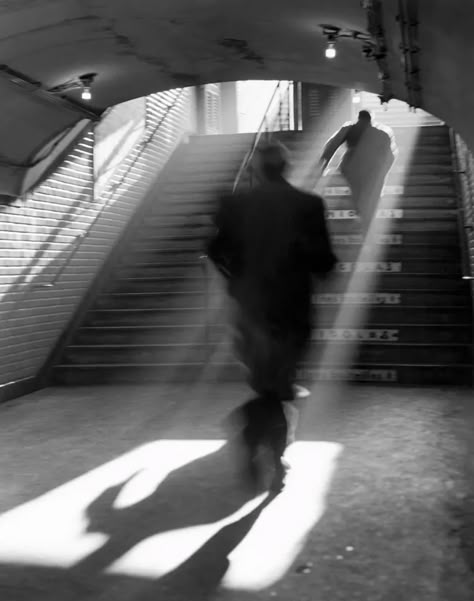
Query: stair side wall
x=466, y=166
x=55, y=239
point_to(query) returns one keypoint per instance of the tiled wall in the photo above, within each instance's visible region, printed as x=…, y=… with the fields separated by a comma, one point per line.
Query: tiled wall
x=54, y=240
x=466, y=166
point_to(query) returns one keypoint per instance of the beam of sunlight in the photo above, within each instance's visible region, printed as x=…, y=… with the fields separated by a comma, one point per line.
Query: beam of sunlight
x=359, y=276
x=279, y=534
x=52, y=529
x=273, y=543
x=337, y=359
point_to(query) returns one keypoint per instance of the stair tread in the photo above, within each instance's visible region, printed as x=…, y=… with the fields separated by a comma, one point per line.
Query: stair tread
x=324, y=365
x=315, y=343
x=372, y=326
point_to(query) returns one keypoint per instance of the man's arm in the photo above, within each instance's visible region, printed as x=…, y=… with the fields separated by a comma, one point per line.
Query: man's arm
x=332, y=145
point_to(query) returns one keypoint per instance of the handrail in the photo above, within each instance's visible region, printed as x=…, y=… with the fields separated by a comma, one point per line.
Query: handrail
x=263, y=128
x=60, y=271
x=463, y=227
x=112, y=189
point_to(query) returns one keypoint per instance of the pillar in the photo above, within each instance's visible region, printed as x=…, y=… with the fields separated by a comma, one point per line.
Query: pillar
x=228, y=105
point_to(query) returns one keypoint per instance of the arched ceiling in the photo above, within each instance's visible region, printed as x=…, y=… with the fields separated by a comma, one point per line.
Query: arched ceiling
x=143, y=46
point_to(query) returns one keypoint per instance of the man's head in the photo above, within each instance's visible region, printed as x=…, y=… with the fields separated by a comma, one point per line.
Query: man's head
x=365, y=116
x=272, y=160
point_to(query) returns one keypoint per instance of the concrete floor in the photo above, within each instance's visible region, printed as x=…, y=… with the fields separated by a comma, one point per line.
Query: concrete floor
x=131, y=493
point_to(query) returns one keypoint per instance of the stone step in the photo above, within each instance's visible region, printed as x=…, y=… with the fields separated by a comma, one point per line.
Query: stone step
x=337, y=187
x=189, y=334
x=122, y=315
x=428, y=299
x=180, y=239
x=420, y=154
x=143, y=334
x=164, y=254
x=430, y=374
x=405, y=138
x=307, y=159
x=347, y=224
x=397, y=221
x=174, y=216
x=195, y=268
x=198, y=174
x=402, y=176
x=395, y=282
x=389, y=202
x=385, y=353
x=400, y=374
x=406, y=299
x=398, y=191
x=383, y=282
x=112, y=311
x=205, y=204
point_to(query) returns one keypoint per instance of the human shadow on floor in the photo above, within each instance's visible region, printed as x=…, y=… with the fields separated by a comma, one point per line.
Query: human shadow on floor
x=200, y=575
x=198, y=578
x=202, y=492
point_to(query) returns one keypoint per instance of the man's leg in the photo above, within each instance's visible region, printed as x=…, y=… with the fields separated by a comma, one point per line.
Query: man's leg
x=371, y=193
x=252, y=437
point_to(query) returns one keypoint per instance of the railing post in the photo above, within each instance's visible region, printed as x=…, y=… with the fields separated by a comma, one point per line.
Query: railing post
x=461, y=194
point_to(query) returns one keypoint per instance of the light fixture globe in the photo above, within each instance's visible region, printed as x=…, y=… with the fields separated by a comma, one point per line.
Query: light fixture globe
x=330, y=50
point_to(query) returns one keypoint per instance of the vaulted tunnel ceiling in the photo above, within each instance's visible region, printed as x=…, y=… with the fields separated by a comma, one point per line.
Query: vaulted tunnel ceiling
x=146, y=46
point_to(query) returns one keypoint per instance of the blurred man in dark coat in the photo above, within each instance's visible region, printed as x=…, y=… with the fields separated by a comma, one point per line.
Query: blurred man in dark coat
x=270, y=242
x=370, y=153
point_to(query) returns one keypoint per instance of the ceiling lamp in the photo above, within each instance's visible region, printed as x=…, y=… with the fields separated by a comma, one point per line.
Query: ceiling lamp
x=86, y=82
x=83, y=83
x=331, y=48
x=86, y=93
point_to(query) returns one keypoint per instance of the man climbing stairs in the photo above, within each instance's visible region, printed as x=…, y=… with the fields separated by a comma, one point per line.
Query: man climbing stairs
x=407, y=313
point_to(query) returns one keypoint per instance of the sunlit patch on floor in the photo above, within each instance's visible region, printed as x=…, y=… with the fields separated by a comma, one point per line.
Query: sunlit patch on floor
x=160, y=554
x=52, y=530
x=278, y=536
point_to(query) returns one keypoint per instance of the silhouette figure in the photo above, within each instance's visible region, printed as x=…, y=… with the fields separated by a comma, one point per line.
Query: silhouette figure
x=370, y=154
x=200, y=575
x=183, y=499
x=269, y=243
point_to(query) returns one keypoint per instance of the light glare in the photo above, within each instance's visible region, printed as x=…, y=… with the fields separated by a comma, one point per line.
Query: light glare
x=331, y=50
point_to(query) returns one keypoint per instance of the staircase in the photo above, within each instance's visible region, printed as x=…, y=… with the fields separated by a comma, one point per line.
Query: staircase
x=149, y=321
x=417, y=326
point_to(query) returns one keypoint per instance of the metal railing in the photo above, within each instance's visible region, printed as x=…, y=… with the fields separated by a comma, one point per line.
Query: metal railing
x=58, y=274
x=463, y=164
x=110, y=192
x=277, y=117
